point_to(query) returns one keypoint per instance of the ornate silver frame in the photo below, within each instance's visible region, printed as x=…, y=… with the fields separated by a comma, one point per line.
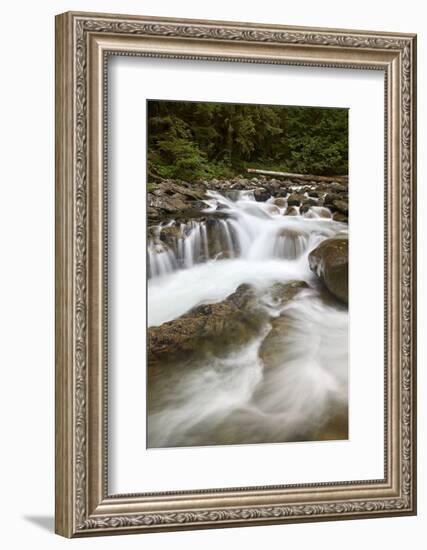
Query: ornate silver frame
x=83, y=42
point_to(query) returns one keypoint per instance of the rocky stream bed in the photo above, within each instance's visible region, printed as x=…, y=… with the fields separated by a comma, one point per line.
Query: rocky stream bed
x=247, y=311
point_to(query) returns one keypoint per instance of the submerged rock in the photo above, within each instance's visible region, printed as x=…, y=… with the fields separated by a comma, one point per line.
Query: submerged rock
x=284, y=292
x=281, y=202
x=330, y=262
x=273, y=209
x=319, y=212
x=289, y=243
x=291, y=211
x=272, y=348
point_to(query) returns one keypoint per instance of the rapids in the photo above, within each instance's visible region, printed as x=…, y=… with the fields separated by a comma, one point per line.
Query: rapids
x=301, y=392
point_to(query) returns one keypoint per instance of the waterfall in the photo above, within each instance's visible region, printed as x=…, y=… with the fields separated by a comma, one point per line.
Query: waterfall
x=161, y=260
x=228, y=240
x=235, y=225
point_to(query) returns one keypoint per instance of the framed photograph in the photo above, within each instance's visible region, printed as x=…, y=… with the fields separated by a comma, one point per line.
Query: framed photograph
x=235, y=274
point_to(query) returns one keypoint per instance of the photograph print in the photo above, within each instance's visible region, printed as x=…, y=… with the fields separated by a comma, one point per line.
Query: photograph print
x=247, y=273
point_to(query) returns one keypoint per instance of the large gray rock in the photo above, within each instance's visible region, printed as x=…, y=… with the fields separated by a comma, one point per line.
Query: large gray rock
x=330, y=262
x=168, y=198
x=211, y=327
x=219, y=327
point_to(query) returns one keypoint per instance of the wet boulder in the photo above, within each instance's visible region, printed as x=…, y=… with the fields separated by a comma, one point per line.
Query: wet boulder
x=330, y=198
x=338, y=217
x=276, y=190
x=321, y=212
x=209, y=328
x=284, y=292
x=261, y=194
x=340, y=206
x=310, y=202
x=282, y=192
x=170, y=235
x=280, y=202
x=273, y=209
x=338, y=187
x=307, y=204
x=330, y=262
x=291, y=211
x=316, y=194
x=296, y=199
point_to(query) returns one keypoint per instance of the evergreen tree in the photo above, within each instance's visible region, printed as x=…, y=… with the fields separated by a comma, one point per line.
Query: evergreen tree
x=191, y=140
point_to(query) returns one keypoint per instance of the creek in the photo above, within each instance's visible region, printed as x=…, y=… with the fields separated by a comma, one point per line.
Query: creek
x=296, y=389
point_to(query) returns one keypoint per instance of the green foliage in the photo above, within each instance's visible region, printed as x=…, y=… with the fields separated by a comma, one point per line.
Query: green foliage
x=192, y=141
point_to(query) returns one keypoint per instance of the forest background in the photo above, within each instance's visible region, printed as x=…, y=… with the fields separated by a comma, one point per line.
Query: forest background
x=192, y=140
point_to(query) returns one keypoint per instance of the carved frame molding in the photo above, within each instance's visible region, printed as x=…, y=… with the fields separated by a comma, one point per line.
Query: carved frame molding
x=83, y=42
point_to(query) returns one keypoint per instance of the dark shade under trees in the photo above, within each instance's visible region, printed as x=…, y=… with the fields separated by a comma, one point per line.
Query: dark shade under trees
x=191, y=140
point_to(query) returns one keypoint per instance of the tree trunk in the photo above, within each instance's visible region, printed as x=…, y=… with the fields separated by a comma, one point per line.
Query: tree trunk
x=301, y=177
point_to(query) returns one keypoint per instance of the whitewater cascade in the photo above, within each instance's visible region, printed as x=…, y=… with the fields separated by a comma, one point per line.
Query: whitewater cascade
x=250, y=230
x=236, y=399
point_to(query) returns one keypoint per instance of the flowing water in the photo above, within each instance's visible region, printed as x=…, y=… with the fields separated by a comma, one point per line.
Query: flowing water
x=298, y=389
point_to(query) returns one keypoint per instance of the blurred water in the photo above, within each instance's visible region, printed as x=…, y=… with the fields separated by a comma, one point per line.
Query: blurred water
x=291, y=386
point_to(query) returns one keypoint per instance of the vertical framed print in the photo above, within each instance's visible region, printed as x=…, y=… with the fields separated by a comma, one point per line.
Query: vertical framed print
x=235, y=274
